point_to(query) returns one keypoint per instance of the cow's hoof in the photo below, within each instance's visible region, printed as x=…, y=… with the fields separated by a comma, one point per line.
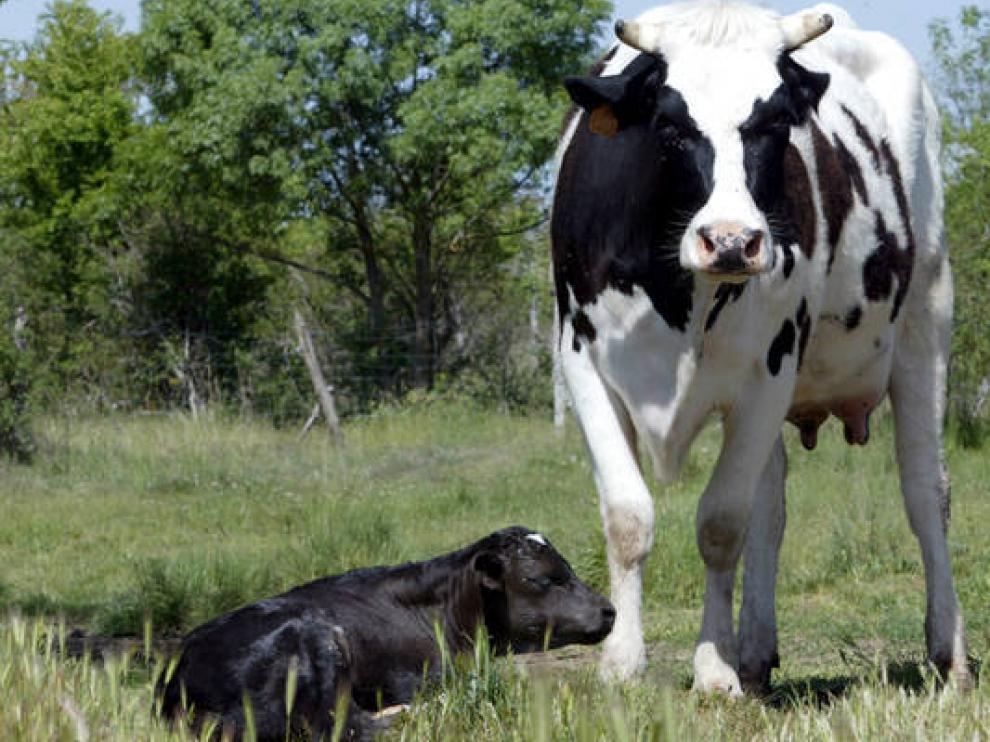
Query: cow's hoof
x=754, y=675
x=960, y=679
x=622, y=660
x=712, y=674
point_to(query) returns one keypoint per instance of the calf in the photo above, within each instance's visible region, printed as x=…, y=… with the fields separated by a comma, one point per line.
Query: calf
x=368, y=638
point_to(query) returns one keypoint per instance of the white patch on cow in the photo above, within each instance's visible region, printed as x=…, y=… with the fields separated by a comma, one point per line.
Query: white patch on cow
x=538, y=538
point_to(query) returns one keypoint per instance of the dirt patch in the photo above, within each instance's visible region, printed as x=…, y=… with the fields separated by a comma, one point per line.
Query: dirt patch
x=79, y=644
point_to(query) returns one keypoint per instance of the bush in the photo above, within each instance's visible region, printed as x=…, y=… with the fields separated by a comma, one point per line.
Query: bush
x=16, y=440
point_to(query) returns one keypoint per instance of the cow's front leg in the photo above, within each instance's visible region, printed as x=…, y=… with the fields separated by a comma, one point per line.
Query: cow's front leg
x=625, y=501
x=722, y=521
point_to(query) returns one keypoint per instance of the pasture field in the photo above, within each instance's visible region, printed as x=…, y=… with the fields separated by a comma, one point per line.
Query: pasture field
x=127, y=518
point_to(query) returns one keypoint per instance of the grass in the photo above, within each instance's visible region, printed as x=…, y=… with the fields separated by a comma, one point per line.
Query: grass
x=123, y=519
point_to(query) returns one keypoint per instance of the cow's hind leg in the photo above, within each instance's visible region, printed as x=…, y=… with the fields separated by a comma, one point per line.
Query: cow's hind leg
x=758, y=616
x=625, y=501
x=917, y=393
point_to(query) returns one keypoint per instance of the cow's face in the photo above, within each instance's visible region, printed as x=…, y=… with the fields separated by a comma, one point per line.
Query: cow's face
x=717, y=119
x=534, y=600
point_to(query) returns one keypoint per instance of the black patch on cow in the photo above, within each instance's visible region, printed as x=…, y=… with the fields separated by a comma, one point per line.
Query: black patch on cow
x=803, y=319
x=583, y=327
x=788, y=260
x=853, y=318
x=852, y=170
x=801, y=205
x=782, y=345
x=864, y=136
x=834, y=186
x=620, y=202
x=906, y=259
x=723, y=294
x=776, y=176
x=886, y=263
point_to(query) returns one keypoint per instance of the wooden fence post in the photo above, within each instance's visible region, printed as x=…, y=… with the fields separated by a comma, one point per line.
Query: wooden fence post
x=324, y=392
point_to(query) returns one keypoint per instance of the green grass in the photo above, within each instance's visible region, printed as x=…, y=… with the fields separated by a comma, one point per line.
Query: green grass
x=126, y=518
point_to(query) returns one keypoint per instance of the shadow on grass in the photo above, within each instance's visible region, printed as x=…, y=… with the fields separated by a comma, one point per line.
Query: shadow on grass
x=822, y=691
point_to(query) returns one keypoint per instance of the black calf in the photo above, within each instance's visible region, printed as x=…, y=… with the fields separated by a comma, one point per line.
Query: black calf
x=368, y=638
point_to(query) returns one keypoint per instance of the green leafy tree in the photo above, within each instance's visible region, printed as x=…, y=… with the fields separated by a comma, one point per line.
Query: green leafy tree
x=67, y=104
x=411, y=131
x=962, y=53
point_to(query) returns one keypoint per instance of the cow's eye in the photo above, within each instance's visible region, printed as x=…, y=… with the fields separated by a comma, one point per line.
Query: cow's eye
x=540, y=583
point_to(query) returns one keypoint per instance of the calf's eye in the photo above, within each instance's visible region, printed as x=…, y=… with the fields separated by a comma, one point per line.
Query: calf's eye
x=540, y=583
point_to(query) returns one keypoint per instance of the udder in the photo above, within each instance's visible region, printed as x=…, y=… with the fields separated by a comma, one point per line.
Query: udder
x=854, y=413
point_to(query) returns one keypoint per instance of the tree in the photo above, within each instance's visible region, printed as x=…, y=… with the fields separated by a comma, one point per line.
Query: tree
x=66, y=106
x=963, y=82
x=411, y=130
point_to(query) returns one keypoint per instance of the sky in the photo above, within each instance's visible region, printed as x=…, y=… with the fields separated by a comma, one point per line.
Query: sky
x=907, y=20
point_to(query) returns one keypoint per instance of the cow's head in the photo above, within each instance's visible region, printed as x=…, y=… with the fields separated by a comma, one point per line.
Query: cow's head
x=714, y=95
x=533, y=599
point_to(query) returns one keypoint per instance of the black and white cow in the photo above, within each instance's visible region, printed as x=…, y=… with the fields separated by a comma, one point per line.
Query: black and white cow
x=369, y=638
x=749, y=227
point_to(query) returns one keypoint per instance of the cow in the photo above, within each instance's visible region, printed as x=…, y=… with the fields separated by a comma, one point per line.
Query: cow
x=747, y=225
x=369, y=638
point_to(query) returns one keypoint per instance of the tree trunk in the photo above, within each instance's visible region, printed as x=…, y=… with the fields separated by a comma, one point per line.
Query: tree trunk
x=424, y=350
x=376, y=303
x=324, y=392
x=20, y=325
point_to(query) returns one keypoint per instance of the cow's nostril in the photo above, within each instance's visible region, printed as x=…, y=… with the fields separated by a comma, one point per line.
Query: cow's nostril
x=753, y=245
x=706, y=241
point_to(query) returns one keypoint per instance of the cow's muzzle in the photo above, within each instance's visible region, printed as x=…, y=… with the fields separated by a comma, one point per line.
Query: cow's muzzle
x=730, y=249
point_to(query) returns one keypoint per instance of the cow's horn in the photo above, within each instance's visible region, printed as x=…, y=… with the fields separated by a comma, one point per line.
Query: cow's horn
x=800, y=28
x=642, y=36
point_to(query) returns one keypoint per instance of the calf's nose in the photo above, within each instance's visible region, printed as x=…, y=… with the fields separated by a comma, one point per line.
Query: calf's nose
x=608, y=616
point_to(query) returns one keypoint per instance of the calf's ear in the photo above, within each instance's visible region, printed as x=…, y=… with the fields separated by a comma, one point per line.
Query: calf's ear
x=490, y=569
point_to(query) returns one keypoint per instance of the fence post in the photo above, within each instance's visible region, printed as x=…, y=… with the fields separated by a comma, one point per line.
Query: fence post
x=324, y=392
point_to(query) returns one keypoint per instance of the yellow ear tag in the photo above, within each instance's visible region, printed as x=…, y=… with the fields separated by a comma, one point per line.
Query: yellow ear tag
x=603, y=121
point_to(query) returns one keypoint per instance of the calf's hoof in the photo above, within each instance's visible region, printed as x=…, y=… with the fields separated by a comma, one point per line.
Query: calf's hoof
x=712, y=674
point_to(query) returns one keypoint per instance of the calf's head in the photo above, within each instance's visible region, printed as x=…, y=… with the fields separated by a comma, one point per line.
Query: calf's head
x=532, y=598
x=710, y=102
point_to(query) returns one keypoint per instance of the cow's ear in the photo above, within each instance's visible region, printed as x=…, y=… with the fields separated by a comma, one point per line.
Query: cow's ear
x=610, y=99
x=593, y=92
x=805, y=87
x=490, y=569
